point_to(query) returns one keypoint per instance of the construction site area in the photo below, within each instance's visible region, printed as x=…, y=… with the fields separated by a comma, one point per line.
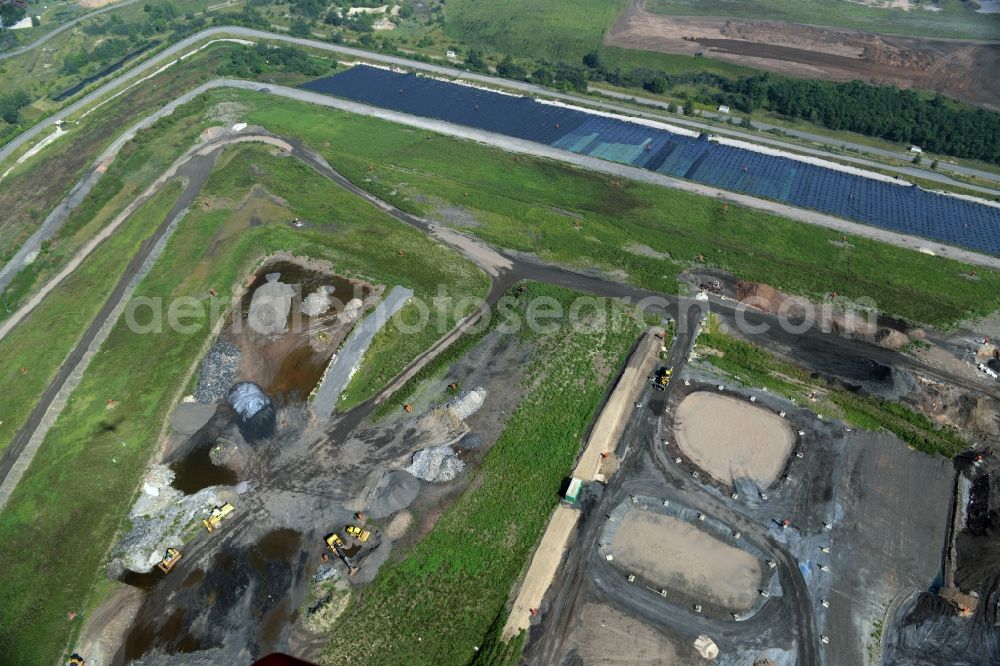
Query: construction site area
x=952, y=67
x=668, y=468
x=743, y=527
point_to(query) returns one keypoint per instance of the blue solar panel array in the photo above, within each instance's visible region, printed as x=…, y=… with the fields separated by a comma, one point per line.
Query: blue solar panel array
x=905, y=209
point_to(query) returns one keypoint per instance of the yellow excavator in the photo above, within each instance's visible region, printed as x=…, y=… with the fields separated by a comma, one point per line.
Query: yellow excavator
x=76, y=660
x=218, y=514
x=336, y=544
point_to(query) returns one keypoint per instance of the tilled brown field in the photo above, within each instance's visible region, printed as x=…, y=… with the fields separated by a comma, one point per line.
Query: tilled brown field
x=962, y=69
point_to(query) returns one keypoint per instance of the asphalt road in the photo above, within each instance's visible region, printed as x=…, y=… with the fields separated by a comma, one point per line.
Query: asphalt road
x=17, y=455
x=168, y=53
x=64, y=27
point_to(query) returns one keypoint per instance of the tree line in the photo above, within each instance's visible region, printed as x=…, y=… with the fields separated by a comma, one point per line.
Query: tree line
x=934, y=122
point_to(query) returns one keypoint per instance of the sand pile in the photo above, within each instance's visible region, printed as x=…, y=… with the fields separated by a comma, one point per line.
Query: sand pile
x=759, y=295
x=890, y=338
x=731, y=438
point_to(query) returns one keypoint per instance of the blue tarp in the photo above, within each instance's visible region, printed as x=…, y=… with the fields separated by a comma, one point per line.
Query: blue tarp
x=903, y=208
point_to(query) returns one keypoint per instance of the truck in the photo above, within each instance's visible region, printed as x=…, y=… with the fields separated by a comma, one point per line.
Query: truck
x=218, y=514
x=662, y=378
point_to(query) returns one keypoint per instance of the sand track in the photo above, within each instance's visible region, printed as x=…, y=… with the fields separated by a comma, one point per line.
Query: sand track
x=730, y=438
x=962, y=69
x=670, y=552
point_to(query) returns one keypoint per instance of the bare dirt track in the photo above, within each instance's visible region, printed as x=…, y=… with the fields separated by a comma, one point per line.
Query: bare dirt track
x=965, y=70
x=668, y=551
x=729, y=438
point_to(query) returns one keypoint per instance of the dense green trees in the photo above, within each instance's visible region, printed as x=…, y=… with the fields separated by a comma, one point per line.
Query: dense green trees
x=11, y=104
x=10, y=13
x=934, y=122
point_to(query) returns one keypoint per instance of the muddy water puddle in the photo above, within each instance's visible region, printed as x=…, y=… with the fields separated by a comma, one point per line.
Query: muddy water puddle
x=196, y=471
x=205, y=598
x=291, y=365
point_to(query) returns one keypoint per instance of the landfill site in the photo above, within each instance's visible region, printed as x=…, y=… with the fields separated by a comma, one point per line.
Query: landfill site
x=705, y=520
x=743, y=528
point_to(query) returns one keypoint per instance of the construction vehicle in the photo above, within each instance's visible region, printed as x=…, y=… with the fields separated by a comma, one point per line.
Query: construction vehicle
x=76, y=660
x=336, y=544
x=218, y=514
x=662, y=378
x=168, y=562
x=358, y=533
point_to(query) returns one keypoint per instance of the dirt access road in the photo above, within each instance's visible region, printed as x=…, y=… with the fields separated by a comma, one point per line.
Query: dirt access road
x=965, y=70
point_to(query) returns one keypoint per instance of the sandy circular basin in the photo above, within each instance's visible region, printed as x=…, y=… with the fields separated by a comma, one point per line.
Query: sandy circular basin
x=731, y=438
x=672, y=553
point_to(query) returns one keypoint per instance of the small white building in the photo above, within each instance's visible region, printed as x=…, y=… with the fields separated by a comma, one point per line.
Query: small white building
x=451, y=54
x=916, y=149
x=723, y=109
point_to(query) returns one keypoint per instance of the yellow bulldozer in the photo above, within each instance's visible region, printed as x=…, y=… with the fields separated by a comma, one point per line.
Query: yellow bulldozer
x=358, y=533
x=168, y=562
x=218, y=514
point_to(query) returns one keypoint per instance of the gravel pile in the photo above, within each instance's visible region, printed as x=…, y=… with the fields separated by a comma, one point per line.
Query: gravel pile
x=217, y=372
x=436, y=464
x=160, y=516
x=396, y=490
x=468, y=403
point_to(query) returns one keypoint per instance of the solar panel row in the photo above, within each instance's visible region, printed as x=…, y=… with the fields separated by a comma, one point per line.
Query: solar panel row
x=906, y=209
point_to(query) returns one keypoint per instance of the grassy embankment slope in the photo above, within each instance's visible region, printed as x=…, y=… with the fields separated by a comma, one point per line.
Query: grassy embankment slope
x=533, y=205
x=34, y=188
x=453, y=585
x=752, y=366
x=954, y=19
x=560, y=30
x=84, y=476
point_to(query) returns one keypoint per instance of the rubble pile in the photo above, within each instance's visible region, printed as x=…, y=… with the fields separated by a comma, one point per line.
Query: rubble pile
x=436, y=464
x=217, y=372
x=160, y=516
x=468, y=403
x=318, y=302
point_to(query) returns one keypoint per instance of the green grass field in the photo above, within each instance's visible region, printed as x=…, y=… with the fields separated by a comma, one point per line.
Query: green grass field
x=114, y=447
x=555, y=30
x=532, y=205
x=455, y=582
x=65, y=313
x=956, y=19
